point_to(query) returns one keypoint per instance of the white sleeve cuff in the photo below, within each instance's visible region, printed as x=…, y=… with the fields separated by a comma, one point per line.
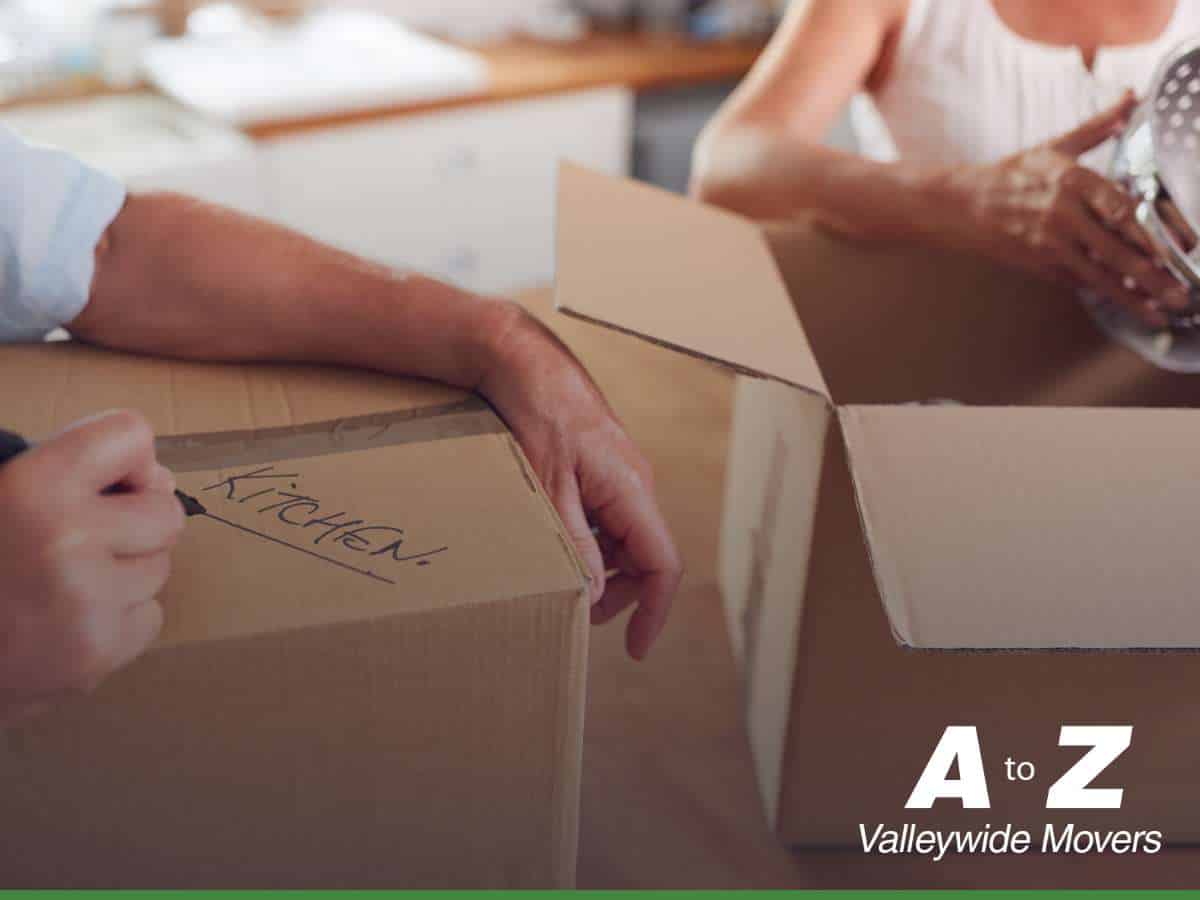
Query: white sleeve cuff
x=48, y=255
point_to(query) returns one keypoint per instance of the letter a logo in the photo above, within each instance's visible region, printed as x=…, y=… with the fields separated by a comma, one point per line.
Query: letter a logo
x=959, y=744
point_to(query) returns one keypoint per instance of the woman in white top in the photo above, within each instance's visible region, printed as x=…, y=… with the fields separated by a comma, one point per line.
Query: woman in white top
x=995, y=109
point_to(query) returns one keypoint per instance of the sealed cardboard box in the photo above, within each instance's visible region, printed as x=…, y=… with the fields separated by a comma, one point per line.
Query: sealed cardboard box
x=373, y=668
x=893, y=565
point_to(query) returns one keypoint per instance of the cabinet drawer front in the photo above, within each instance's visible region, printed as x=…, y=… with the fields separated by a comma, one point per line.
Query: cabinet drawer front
x=373, y=189
x=443, y=192
x=524, y=143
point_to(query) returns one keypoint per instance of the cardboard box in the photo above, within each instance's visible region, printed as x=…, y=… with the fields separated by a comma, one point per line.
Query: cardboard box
x=892, y=568
x=373, y=669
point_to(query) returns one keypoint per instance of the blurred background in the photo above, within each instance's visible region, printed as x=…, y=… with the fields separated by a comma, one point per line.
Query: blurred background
x=424, y=134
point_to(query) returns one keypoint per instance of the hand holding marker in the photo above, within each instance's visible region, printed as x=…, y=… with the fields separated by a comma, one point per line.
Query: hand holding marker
x=92, y=519
x=13, y=445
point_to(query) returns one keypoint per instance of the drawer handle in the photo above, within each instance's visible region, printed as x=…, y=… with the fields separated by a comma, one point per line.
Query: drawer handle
x=458, y=161
x=462, y=263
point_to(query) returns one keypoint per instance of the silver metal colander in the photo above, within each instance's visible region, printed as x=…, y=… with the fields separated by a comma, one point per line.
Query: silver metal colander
x=1158, y=161
x=1174, y=113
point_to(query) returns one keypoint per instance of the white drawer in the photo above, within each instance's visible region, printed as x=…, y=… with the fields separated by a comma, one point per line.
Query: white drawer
x=380, y=190
x=517, y=208
x=466, y=195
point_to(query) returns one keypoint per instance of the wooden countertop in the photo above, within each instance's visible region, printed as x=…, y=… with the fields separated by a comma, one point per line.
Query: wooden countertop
x=525, y=68
x=521, y=69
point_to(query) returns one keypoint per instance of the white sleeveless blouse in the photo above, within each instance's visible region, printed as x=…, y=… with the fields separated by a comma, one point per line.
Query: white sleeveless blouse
x=966, y=88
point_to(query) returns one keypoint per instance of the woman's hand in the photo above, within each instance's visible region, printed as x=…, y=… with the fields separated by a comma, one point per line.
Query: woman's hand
x=593, y=473
x=1044, y=212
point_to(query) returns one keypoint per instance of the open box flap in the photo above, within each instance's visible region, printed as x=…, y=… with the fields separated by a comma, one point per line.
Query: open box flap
x=1020, y=528
x=695, y=279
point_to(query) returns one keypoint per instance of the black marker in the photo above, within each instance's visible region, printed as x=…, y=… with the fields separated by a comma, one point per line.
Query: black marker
x=13, y=445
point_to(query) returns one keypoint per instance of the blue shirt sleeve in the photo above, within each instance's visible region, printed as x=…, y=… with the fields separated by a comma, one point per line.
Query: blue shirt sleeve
x=53, y=212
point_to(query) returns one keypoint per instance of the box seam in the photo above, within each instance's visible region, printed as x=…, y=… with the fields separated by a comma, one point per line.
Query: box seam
x=888, y=580
x=560, y=530
x=722, y=364
x=800, y=679
x=567, y=799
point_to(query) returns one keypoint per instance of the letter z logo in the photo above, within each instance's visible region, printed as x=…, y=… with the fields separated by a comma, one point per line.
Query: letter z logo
x=1072, y=791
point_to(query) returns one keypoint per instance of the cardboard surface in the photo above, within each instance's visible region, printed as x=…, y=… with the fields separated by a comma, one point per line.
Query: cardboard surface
x=700, y=809
x=45, y=390
x=1012, y=524
x=775, y=563
x=374, y=663
x=990, y=527
x=286, y=530
x=866, y=712
x=908, y=343
x=658, y=261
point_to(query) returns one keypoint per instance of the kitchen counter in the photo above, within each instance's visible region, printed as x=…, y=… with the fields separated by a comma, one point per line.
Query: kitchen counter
x=521, y=69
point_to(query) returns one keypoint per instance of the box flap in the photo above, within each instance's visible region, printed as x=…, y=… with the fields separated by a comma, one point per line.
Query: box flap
x=332, y=496
x=1018, y=528
x=692, y=278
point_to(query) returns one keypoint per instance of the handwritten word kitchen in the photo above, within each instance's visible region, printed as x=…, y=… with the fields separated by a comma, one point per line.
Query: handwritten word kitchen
x=276, y=496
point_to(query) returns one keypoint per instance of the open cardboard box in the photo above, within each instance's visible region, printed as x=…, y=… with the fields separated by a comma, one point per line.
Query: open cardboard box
x=892, y=567
x=374, y=663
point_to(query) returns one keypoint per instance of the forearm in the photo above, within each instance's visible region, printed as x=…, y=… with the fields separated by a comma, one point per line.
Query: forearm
x=177, y=277
x=766, y=177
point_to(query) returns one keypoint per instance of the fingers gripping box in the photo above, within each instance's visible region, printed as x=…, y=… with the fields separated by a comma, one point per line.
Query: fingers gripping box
x=892, y=567
x=373, y=667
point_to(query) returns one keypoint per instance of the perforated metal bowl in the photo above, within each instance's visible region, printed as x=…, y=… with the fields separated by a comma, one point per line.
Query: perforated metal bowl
x=1158, y=161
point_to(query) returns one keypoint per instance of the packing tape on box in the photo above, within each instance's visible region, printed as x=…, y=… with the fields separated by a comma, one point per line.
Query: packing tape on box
x=202, y=452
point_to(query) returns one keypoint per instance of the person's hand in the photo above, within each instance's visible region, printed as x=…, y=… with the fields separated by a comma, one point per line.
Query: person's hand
x=80, y=567
x=593, y=474
x=1044, y=212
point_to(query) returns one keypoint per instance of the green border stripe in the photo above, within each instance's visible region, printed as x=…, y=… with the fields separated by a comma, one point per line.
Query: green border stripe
x=586, y=895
